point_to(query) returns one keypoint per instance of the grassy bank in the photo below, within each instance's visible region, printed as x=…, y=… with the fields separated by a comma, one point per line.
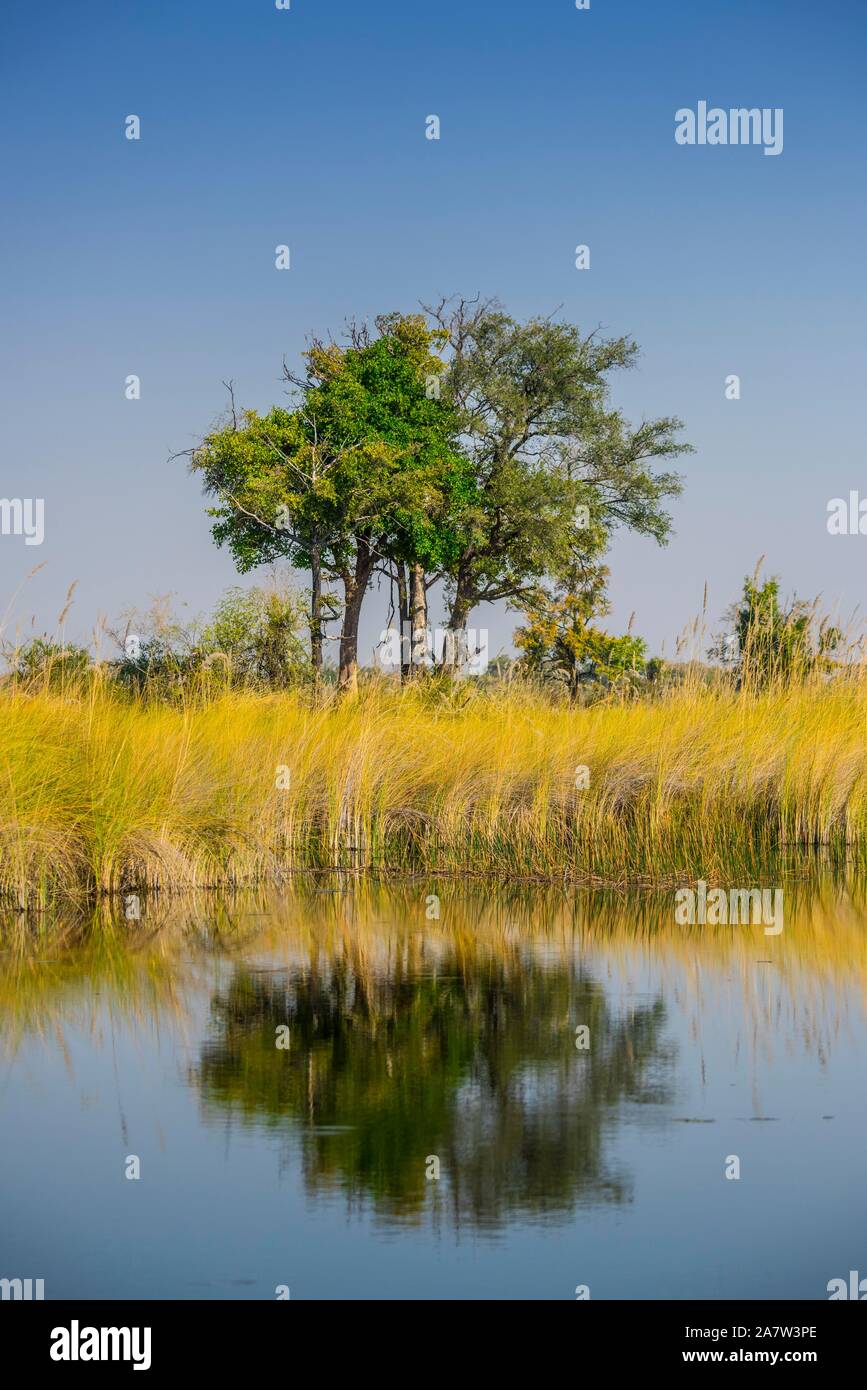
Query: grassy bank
x=98, y=793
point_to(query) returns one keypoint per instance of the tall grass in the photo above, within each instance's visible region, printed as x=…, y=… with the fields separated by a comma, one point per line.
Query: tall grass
x=100, y=793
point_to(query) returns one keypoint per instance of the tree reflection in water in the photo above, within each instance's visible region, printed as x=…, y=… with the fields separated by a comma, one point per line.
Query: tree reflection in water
x=468, y=1056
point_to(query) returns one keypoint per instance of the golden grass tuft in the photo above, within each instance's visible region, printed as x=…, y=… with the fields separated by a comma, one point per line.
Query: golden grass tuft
x=99, y=793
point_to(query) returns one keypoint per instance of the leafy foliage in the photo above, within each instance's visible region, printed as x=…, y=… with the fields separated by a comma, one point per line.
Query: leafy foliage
x=770, y=642
x=560, y=642
x=532, y=399
x=46, y=662
x=258, y=633
x=364, y=471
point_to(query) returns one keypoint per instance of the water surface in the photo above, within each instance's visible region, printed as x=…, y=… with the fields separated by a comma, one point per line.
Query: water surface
x=418, y=1046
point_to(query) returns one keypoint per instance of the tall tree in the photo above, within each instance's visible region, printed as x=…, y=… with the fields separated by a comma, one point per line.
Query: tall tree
x=362, y=473
x=535, y=419
x=273, y=477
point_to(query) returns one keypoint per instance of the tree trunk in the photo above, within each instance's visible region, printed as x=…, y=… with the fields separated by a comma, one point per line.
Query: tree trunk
x=403, y=621
x=354, y=588
x=455, y=644
x=316, y=616
x=418, y=616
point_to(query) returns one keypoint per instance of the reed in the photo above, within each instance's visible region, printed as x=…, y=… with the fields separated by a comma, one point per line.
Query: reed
x=101, y=793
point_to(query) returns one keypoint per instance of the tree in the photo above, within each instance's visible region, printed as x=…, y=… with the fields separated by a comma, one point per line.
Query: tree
x=46, y=662
x=258, y=634
x=532, y=401
x=559, y=641
x=412, y=500
x=768, y=642
x=364, y=472
x=273, y=476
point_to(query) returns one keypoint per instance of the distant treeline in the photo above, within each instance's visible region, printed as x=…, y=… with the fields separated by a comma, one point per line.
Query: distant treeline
x=258, y=639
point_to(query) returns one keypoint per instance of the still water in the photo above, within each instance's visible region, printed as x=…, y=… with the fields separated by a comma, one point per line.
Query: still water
x=413, y=1045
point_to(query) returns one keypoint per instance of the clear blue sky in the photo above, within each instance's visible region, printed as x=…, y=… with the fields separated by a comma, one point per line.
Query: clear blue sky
x=306, y=127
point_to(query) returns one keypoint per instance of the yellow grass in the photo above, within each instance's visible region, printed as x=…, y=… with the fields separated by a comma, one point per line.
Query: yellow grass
x=98, y=793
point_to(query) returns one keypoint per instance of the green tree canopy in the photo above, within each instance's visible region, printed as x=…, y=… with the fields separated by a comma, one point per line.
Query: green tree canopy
x=532, y=400
x=364, y=468
x=768, y=641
